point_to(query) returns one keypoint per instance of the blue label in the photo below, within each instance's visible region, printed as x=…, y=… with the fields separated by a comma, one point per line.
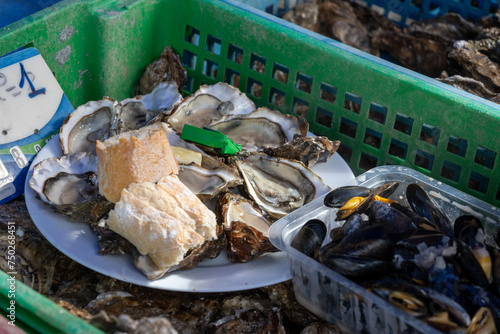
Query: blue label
x=34, y=108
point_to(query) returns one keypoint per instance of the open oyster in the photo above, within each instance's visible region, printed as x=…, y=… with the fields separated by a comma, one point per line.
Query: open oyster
x=139, y=111
x=210, y=103
x=261, y=127
x=69, y=185
x=246, y=227
x=89, y=122
x=206, y=183
x=279, y=186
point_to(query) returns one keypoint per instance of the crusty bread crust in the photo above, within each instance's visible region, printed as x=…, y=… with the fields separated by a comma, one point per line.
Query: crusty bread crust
x=136, y=156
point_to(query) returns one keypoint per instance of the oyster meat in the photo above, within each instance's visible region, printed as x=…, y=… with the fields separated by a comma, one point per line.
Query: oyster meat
x=208, y=104
x=279, y=186
x=68, y=184
x=141, y=110
x=92, y=121
x=261, y=127
x=246, y=227
x=206, y=183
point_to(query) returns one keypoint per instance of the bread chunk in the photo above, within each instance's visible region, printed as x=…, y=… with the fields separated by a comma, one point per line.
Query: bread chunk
x=142, y=155
x=163, y=237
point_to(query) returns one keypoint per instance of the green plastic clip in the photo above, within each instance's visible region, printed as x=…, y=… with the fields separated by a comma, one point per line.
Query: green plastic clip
x=211, y=138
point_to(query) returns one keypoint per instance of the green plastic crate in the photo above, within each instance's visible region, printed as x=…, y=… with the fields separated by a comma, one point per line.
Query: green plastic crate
x=36, y=314
x=382, y=114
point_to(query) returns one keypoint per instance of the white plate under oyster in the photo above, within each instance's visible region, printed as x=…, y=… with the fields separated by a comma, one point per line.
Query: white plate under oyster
x=249, y=191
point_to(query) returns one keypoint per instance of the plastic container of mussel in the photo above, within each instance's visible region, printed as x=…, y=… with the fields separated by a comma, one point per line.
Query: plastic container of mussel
x=339, y=300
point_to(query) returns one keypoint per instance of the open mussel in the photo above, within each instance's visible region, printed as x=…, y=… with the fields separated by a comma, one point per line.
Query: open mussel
x=426, y=304
x=349, y=200
x=423, y=205
x=309, y=238
x=482, y=322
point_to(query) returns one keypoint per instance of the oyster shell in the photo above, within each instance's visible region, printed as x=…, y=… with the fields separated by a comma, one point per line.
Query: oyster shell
x=338, y=19
x=279, y=186
x=412, y=52
x=261, y=127
x=164, y=69
x=89, y=122
x=210, y=103
x=447, y=28
x=473, y=62
x=206, y=183
x=246, y=227
x=308, y=150
x=139, y=111
x=69, y=185
x=472, y=86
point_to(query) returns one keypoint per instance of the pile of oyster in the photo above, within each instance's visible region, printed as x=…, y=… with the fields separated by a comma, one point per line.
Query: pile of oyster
x=445, y=273
x=268, y=179
x=449, y=48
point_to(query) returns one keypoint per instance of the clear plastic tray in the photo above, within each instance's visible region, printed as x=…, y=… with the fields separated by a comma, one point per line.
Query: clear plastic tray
x=343, y=302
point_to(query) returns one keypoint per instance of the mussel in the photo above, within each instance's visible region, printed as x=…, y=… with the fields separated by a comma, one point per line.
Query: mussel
x=349, y=200
x=468, y=229
x=423, y=205
x=398, y=225
x=309, y=238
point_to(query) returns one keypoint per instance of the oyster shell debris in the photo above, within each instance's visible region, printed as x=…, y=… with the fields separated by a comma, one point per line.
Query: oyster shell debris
x=309, y=150
x=94, y=120
x=279, y=186
x=262, y=127
x=246, y=227
x=141, y=110
x=206, y=183
x=210, y=103
x=68, y=184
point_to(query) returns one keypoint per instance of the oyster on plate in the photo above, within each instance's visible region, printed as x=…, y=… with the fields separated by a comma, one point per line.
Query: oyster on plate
x=92, y=121
x=99, y=120
x=68, y=184
x=262, y=127
x=279, y=186
x=206, y=183
x=208, y=104
x=246, y=227
x=139, y=111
